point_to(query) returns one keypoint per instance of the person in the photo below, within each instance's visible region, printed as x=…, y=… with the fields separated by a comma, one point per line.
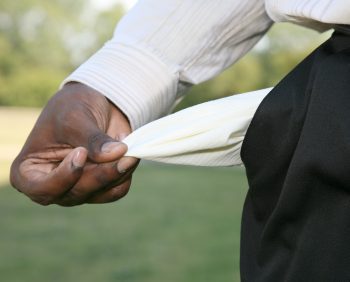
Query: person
x=295, y=223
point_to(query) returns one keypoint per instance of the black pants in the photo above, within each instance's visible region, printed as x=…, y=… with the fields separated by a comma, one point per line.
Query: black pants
x=296, y=218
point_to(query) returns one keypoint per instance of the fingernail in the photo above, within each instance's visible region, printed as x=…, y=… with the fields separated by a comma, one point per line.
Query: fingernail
x=125, y=164
x=122, y=166
x=109, y=147
x=79, y=159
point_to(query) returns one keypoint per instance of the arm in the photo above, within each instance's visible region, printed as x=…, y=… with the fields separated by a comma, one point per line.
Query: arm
x=73, y=154
x=160, y=48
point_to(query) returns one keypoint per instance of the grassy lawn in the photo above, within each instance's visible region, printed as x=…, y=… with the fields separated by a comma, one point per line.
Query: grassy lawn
x=176, y=224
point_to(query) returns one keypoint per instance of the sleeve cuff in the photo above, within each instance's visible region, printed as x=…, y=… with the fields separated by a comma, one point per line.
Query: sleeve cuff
x=136, y=81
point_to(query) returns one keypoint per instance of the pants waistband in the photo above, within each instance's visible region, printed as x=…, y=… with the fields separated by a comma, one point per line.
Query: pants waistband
x=342, y=28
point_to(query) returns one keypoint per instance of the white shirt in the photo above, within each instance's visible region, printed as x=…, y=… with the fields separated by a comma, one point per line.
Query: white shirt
x=160, y=48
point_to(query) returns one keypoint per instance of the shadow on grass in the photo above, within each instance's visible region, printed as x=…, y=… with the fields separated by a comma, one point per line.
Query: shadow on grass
x=176, y=224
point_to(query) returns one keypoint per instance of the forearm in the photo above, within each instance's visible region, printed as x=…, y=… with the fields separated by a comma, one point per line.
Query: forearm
x=160, y=44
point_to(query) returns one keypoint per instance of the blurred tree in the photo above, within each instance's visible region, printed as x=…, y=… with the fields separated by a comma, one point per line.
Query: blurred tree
x=42, y=41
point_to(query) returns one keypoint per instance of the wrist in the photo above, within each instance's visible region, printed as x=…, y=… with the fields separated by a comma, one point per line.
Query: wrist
x=119, y=124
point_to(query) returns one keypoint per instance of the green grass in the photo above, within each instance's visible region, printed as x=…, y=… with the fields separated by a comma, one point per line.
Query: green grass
x=176, y=224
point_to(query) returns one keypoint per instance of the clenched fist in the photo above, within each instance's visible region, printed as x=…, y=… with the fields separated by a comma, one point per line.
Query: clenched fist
x=74, y=155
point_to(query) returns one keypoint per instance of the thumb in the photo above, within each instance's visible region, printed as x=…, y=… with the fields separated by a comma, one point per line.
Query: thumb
x=82, y=118
x=102, y=148
x=83, y=129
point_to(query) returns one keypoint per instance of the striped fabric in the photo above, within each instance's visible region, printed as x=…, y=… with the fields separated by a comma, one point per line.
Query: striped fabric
x=160, y=45
x=160, y=48
x=318, y=14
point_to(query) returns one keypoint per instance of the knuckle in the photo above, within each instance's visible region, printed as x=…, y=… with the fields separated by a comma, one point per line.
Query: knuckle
x=43, y=200
x=65, y=203
x=75, y=196
x=108, y=176
x=123, y=193
x=103, y=181
x=12, y=179
x=94, y=143
x=16, y=187
x=14, y=175
x=119, y=192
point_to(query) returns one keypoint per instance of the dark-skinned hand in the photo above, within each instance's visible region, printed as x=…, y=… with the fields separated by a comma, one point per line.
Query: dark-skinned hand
x=73, y=154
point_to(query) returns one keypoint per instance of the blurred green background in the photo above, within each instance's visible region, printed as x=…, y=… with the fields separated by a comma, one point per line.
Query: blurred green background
x=177, y=223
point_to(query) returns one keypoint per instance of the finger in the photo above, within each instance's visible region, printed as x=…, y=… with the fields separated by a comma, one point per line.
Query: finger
x=44, y=188
x=85, y=123
x=127, y=163
x=101, y=147
x=95, y=178
x=111, y=195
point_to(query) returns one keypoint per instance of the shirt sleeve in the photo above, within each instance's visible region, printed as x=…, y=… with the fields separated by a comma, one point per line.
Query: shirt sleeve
x=161, y=47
